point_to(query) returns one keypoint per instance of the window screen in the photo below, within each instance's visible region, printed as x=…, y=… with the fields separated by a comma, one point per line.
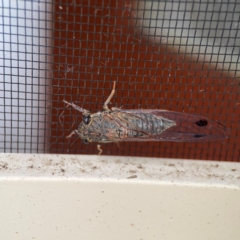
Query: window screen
x=180, y=55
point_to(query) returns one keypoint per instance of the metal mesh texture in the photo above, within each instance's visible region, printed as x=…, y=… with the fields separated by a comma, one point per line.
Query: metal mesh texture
x=180, y=56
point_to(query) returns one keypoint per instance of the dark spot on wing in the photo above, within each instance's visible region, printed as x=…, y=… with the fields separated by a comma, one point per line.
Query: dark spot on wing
x=198, y=136
x=202, y=123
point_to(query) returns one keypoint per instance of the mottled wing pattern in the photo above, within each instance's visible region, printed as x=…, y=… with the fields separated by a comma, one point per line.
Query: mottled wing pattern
x=188, y=127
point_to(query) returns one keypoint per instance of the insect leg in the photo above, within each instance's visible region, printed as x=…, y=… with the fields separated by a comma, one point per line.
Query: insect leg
x=116, y=109
x=105, y=106
x=99, y=149
x=72, y=133
x=76, y=107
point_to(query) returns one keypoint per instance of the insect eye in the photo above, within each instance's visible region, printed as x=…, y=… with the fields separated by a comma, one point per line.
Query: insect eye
x=86, y=119
x=85, y=141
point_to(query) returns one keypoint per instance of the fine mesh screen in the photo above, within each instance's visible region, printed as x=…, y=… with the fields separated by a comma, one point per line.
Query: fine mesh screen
x=180, y=56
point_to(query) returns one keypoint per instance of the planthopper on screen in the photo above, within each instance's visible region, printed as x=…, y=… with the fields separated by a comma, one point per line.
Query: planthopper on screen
x=122, y=125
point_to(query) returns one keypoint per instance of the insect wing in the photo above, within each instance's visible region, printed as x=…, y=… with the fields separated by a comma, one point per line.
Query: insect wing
x=188, y=127
x=191, y=127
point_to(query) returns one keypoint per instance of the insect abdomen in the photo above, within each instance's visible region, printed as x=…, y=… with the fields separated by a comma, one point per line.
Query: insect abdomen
x=140, y=124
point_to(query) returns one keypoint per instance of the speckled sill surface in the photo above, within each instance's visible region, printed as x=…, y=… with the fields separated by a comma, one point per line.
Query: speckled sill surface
x=99, y=197
x=119, y=168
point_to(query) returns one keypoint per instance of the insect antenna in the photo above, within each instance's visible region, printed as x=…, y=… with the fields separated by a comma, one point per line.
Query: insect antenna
x=82, y=110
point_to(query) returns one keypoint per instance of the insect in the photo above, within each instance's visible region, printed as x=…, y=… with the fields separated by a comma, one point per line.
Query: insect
x=121, y=125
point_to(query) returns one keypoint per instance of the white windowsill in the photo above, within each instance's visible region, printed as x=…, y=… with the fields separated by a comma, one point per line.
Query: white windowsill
x=104, y=197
